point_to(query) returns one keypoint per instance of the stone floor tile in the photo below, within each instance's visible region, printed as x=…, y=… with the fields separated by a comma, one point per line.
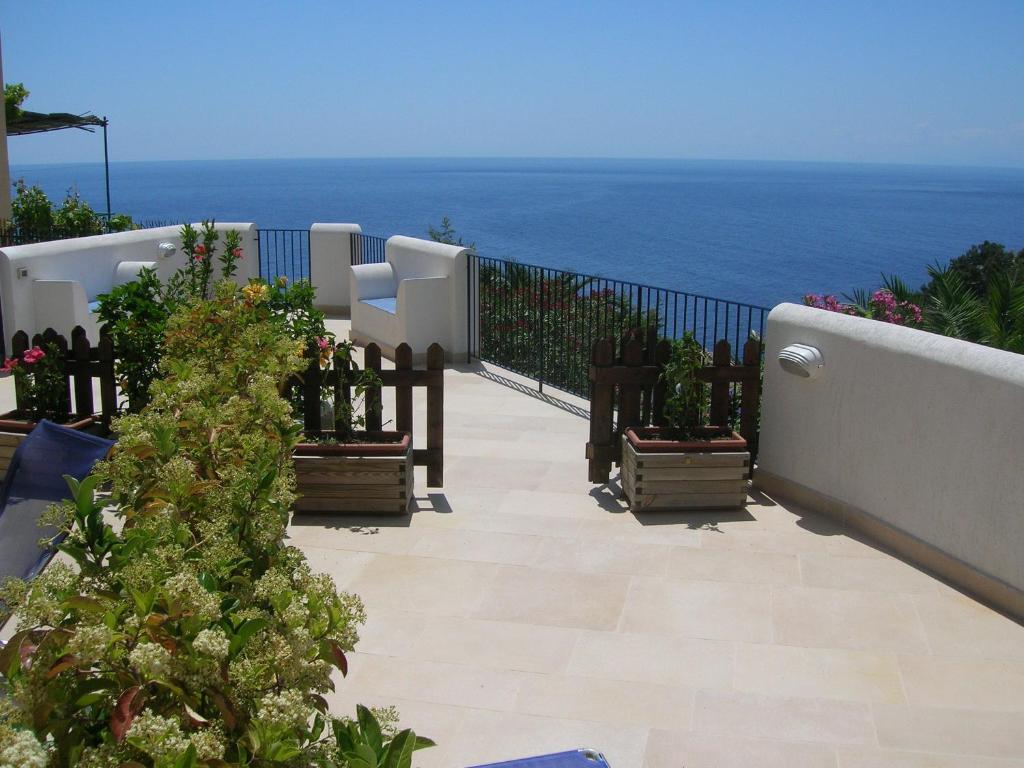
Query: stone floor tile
x=342, y=564
x=959, y=683
x=495, y=644
x=604, y=556
x=687, y=662
x=956, y=625
x=762, y=540
x=733, y=565
x=391, y=534
x=733, y=714
x=554, y=598
x=423, y=584
x=823, y=673
x=957, y=731
x=674, y=749
x=477, y=546
x=832, y=618
x=878, y=574
x=435, y=682
x=858, y=757
x=617, y=702
x=708, y=609
x=390, y=633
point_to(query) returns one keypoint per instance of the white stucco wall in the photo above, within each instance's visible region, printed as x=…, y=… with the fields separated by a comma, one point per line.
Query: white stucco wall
x=920, y=431
x=330, y=256
x=91, y=262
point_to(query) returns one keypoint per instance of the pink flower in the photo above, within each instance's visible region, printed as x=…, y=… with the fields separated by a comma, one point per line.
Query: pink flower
x=34, y=355
x=10, y=364
x=322, y=342
x=198, y=257
x=237, y=253
x=200, y=249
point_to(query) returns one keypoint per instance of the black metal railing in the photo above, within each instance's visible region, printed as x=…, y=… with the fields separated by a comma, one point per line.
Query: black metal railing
x=284, y=252
x=542, y=322
x=366, y=249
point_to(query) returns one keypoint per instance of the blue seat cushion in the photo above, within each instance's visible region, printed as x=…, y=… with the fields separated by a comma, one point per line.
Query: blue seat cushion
x=576, y=758
x=94, y=306
x=387, y=304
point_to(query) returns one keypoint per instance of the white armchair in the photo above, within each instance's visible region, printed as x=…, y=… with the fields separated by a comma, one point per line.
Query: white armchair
x=417, y=296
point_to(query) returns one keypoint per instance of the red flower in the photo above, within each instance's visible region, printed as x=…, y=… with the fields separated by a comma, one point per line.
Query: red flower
x=200, y=249
x=9, y=365
x=34, y=355
x=237, y=253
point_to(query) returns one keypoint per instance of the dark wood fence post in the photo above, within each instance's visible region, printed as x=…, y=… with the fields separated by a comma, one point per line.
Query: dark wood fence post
x=630, y=392
x=81, y=355
x=662, y=353
x=721, y=359
x=19, y=345
x=311, y=397
x=750, y=398
x=105, y=355
x=602, y=405
x=403, y=392
x=374, y=406
x=435, y=418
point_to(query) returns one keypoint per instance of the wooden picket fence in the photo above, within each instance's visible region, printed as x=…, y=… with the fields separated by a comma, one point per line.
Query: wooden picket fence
x=339, y=376
x=82, y=363
x=626, y=380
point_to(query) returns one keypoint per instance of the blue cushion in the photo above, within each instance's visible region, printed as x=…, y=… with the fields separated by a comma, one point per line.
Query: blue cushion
x=94, y=306
x=388, y=304
x=34, y=481
x=576, y=758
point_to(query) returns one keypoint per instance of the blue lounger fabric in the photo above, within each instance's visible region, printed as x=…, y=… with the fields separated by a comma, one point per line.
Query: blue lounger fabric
x=34, y=481
x=576, y=758
x=388, y=304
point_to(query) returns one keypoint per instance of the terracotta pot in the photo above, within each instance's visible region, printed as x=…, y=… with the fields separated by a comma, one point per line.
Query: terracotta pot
x=372, y=444
x=666, y=440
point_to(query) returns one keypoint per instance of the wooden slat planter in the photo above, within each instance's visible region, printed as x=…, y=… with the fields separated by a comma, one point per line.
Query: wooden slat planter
x=685, y=480
x=327, y=482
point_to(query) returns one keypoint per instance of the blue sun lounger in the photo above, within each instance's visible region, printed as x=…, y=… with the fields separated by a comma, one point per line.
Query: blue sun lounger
x=34, y=481
x=575, y=758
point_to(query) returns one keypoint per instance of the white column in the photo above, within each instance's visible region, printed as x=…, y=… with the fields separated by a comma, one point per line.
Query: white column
x=330, y=256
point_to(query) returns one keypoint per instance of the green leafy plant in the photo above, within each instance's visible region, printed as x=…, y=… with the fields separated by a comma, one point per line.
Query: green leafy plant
x=189, y=634
x=40, y=383
x=686, y=395
x=14, y=96
x=350, y=413
x=136, y=316
x=76, y=218
x=363, y=744
x=31, y=210
x=446, y=234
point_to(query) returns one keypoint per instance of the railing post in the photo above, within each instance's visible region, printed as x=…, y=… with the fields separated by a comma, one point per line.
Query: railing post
x=540, y=345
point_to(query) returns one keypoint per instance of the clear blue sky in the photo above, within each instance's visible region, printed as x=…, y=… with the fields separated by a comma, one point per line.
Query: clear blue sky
x=909, y=82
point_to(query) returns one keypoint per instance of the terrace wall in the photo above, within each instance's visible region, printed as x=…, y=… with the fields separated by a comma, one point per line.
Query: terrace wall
x=91, y=262
x=908, y=436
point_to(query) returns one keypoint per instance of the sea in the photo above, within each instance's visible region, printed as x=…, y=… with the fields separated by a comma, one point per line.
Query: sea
x=753, y=232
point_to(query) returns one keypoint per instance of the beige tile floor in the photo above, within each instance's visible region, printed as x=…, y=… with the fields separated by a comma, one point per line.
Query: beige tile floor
x=520, y=610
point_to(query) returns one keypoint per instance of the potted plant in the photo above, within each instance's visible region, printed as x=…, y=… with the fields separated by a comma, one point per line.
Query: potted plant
x=684, y=465
x=41, y=392
x=349, y=469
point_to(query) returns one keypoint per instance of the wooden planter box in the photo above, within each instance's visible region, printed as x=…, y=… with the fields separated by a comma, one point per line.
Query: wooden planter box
x=665, y=474
x=13, y=430
x=355, y=477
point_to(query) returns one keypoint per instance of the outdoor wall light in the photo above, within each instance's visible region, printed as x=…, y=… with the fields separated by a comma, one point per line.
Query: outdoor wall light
x=167, y=249
x=802, y=360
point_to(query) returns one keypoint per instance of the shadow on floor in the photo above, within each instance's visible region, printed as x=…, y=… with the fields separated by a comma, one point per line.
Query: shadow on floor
x=523, y=389
x=369, y=524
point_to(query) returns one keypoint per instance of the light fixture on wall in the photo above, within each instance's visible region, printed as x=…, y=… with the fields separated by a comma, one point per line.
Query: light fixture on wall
x=802, y=360
x=167, y=249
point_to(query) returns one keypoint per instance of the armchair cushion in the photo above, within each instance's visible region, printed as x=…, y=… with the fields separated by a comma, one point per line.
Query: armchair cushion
x=387, y=304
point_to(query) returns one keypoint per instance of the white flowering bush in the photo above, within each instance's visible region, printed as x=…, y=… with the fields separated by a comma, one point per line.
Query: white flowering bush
x=191, y=635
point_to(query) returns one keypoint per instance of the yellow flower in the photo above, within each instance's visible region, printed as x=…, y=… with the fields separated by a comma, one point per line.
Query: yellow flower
x=256, y=293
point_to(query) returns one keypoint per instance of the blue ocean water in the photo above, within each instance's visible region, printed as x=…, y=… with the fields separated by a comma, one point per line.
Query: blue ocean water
x=754, y=232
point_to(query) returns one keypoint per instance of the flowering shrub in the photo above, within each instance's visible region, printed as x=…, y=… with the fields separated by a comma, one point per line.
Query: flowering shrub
x=882, y=305
x=687, y=397
x=40, y=384
x=190, y=635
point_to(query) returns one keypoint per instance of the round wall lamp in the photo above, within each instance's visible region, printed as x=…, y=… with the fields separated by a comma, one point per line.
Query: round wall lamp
x=802, y=360
x=166, y=249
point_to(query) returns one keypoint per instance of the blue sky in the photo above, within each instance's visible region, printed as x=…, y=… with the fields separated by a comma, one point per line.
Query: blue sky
x=908, y=82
